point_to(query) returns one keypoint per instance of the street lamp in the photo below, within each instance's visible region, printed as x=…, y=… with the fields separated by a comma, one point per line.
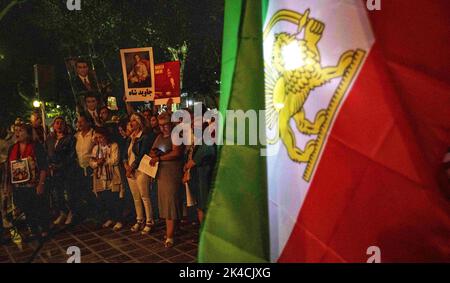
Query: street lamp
x=36, y=104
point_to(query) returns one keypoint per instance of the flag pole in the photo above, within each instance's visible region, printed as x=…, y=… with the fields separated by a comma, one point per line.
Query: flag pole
x=42, y=103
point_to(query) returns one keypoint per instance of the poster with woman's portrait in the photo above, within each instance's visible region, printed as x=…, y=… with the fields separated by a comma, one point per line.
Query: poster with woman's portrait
x=167, y=82
x=138, y=75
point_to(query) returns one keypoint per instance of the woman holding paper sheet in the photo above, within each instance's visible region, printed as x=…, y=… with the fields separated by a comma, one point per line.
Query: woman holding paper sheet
x=170, y=172
x=137, y=146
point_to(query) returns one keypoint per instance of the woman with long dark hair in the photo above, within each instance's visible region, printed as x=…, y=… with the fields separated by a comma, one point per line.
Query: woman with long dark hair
x=126, y=203
x=199, y=170
x=154, y=124
x=63, y=165
x=27, y=172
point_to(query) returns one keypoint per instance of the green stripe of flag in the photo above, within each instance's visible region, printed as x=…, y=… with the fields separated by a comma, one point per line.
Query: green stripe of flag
x=236, y=225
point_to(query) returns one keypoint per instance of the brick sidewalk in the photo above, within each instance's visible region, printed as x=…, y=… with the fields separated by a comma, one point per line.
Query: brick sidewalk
x=99, y=245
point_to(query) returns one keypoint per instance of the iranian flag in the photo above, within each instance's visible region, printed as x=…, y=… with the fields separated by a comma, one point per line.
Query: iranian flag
x=357, y=122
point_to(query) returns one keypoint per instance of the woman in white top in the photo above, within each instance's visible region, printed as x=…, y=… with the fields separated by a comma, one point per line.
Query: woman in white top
x=137, y=146
x=107, y=183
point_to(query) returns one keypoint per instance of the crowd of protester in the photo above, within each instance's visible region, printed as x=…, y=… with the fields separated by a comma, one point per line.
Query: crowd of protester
x=62, y=174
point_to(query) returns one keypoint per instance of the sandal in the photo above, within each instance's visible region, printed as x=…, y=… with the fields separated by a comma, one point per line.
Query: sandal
x=147, y=229
x=136, y=227
x=108, y=223
x=118, y=226
x=168, y=243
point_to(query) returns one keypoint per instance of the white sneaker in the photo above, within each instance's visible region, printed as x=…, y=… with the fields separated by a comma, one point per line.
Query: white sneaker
x=118, y=226
x=69, y=218
x=6, y=223
x=60, y=219
x=107, y=224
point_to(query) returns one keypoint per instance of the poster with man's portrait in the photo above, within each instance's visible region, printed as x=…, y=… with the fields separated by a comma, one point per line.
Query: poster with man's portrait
x=167, y=82
x=82, y=75
x=83, y=79
x=138, y=75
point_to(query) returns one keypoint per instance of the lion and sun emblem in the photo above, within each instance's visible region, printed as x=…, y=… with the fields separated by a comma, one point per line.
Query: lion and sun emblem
x=289, y=81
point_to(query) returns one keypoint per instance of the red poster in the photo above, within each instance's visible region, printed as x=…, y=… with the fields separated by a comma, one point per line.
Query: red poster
x=167, y=82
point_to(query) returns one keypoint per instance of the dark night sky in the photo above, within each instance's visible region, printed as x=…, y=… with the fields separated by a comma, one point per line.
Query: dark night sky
x=23, y=44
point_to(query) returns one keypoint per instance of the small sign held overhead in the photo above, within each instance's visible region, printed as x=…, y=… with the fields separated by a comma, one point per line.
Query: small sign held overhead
x=138, y=75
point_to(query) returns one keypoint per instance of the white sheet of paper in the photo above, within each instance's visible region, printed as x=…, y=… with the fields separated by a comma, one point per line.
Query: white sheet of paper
x=190, y=200
x=145, y=167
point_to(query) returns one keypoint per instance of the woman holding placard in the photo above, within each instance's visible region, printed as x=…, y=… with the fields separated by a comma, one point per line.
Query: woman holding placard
x=27, y=171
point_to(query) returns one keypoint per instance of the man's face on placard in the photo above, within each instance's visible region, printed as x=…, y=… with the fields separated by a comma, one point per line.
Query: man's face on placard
x=91, y=103
x=82, y=69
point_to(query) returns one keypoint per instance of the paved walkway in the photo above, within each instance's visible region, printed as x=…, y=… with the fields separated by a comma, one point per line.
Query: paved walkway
x=99, y=245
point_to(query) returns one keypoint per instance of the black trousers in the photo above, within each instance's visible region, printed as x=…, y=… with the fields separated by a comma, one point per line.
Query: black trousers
x=84, y=199
x=64, y=192
x=34, y=206
x=110, y=206
x=74, y=192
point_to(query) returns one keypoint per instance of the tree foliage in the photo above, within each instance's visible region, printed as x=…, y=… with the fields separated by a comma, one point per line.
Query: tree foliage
x=103, y=27
x=46, y=32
